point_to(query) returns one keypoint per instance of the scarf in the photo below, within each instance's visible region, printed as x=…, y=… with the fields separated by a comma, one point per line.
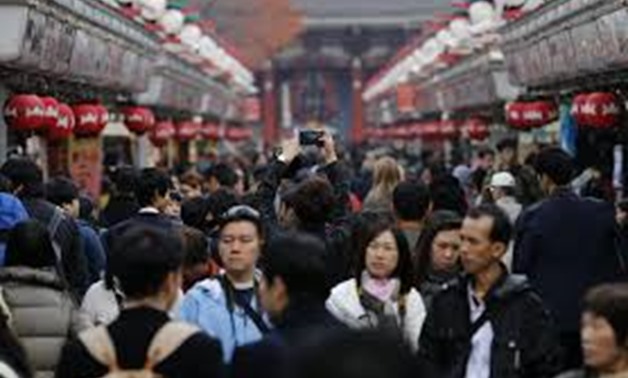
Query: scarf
x=386, y=290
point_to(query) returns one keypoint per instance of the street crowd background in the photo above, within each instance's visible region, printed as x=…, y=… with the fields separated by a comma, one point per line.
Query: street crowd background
x=317, y=261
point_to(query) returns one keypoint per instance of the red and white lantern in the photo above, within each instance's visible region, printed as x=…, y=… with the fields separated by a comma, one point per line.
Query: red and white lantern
x=538, y=114
x=602, y=110
x=89, y=120
x=51, y=111
x=448, y=130
x=64, y=127
x=25, y=113
x=577, y=108
x=162, y=133
x=477, y=129
x=210, y=131
x=187, y=131
x=139, y=120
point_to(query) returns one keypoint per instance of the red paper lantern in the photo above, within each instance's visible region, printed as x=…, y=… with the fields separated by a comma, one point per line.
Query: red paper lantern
x=162, y=133
x=187, y=131
x=238, y=134
x=514, y=114
x=601, y=110
x=210, y=131
x=88, y=120
x=477, y=129
x=65, y=124
x=538, y=114
x=103, y=115
x=448, y=129
x=51, y=111
x=576, y=108
x=25, y=112
x=431, y=130
x=139, y=120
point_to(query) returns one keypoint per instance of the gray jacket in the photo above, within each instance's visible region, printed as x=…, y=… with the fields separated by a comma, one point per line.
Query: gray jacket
x=42, y=312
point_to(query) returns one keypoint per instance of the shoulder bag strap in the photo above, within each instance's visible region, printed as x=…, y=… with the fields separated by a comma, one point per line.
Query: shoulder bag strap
x=99, y=345
x=478, y=323
x=166, y=341
x=255, y=316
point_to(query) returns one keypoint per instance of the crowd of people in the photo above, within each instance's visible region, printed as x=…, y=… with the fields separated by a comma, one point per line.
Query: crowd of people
x=315, y=263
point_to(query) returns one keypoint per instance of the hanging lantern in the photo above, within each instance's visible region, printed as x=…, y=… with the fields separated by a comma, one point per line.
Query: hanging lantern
x=187, y=131
x=89, y=119
x=448, y=129
x=538, y=114
x=601, y=110
x=431, y=130
x=162, y=133
x=51, y=111
x=577, y=108
x=103, y=115
x=64, y=127
x=152, y=10
x=477, y=129
x=25, y=112
x=514, y=114
x=139, y=120
x=210, y=131
x=172, y=21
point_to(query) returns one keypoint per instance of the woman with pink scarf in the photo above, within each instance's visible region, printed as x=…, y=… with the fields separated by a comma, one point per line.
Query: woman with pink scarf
x=381, y=294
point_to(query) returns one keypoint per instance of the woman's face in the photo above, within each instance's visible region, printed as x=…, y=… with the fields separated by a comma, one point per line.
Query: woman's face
x=599, y=344
x=382, y=255
x=446, y=250
x=239, y=246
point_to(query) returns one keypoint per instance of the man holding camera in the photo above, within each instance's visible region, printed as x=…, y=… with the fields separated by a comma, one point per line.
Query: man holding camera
x=317, y=204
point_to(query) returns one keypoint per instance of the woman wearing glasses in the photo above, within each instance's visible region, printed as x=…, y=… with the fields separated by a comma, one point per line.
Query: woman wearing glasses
x=381, y=294
x=227, y=306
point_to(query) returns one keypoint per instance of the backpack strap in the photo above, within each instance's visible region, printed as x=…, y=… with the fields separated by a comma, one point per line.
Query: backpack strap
x=166, y=341
x=98, y=343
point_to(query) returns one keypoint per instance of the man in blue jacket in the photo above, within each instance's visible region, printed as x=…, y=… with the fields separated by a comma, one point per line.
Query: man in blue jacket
x=566, y=244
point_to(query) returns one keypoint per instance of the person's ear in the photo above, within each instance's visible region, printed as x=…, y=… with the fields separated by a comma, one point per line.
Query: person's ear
x=280, y=292
x=498, y=249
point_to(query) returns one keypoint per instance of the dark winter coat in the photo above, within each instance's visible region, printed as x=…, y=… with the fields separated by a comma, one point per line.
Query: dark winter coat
x=335, y=233
x=566, y=245
x=434, y=284
x=67, y=237
x=270, y=357
x=119, y=209
x=524, y=344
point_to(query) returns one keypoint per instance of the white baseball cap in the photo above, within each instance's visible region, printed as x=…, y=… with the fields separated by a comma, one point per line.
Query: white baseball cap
x=503, y=180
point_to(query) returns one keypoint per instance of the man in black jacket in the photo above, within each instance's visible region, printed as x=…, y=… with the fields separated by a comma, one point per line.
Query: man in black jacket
x=27, y=183
x=492, y=324
x=566, y=245
x=293, y=292
x=319, y=205
x=147, y=264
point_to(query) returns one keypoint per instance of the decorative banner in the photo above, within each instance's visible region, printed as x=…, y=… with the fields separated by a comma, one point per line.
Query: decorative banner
x=86, y=164
x=405, y=98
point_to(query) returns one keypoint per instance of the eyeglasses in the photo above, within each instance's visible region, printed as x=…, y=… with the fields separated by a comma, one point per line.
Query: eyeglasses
x=241, y=211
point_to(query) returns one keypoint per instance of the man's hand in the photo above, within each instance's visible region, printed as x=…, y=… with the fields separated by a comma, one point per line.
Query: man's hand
x=329, y=148
x=290, y=149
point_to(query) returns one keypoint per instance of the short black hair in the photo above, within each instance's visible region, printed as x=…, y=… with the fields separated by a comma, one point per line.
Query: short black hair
x=483, y=152
x=124, y=180
x=195, y=247
x=507, y=143
x=5, y=184
x=404, y=270
x=502, y=228
x=299, y=260
x=25, y=173
x=447, y=194
x=30, y=244
x=61, y=191
x=312, y=200
x=610, y=301
x=224, y=174
x=557, y=164
x=151, y=181
x=242, y=213
x=86, y=209
x=411, y=201
x=155, y=252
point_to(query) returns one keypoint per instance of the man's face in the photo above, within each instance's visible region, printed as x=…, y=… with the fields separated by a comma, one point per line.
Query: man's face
x=477, y=251
x=189, y=191
x=487, y=161
x=73, y=208
x=507, y=156
x=239, y=246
